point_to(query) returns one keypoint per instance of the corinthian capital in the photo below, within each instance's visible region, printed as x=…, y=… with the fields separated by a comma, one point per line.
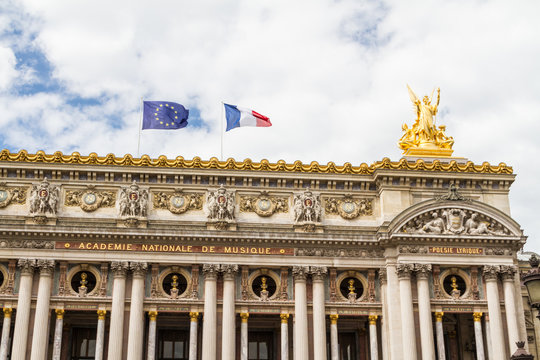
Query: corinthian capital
x=318, y=272
x=119, y=268
x=300, y=272
x=404, y=271
x=490, y=272
x=382, y=275
x=46, y=266
x=27, y=266
x=508, y=272
x=229, y=271
x=422, y=270
x=210, y=271
x=138, y=268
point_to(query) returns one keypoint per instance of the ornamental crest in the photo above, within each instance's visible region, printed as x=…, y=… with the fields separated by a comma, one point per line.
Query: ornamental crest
x=307, y=207
x=133, y=201
x=220, y=204
x=90, y=200
x=347, y=207
x=10, y=195
x=44, y=198
x=264, y=205
x=177, y=202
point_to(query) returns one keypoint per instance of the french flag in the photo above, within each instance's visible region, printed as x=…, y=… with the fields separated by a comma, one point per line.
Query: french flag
x=237, y=117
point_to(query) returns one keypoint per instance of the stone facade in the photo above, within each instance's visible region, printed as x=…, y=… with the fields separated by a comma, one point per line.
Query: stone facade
x=146, y=258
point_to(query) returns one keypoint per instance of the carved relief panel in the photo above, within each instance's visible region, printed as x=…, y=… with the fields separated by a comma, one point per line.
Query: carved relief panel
x=90, y=200
x=347, y=207
x=177, y=202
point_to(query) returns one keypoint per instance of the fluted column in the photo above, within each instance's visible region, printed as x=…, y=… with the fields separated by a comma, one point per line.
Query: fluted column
x=152, y=327
x=407, y=316
x=20, y=334
x=334, y=346
x=284, y=336
x=116, y=327
x=508, y=275
x=498, y=342
x=228, y=327
x=318, y=274
x=100, y=334
x=210, y=272
x=136, y=311
x=244, y=336
x=58, y=328
x=440, y=335
x=373, y=344
x=301, y=350
x=479, y=339
x=6, y=329
x=424, y=311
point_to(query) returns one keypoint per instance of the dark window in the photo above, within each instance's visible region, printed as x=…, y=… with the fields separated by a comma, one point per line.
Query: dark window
x=175, y=280
x=351, y=284
x=173, y=344
x=347, y=346
x=454, y=284
x=263, y=281
x=260, y=345
x=83, y=344
x=83, y=278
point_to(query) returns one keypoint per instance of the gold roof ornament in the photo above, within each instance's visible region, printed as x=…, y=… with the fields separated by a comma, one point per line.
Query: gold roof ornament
x=424, y=138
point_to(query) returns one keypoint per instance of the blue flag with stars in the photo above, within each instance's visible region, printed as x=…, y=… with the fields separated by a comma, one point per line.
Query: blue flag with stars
x=163, y=115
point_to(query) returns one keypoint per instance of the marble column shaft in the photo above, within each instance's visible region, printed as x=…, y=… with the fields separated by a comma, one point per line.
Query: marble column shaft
x=384, y=319
x=334, y=346
x=40, y=335
x=319, y=319
x=6, y=329
x=100, y=334
x=510, y=307
x=284, y=336
x=479, y=339
x=408, y=331
x=301, y=341
x=228, y=324
x=394, y=338
x=152, y=327
x=136, y=312
x=373, y=344
x=20, y=334
x=424, y=311
x=58, y=328
x=209, y=349
x=116, y=327
x=498, y=341
x=244, y=336
x=440, y=335
x=193, y=323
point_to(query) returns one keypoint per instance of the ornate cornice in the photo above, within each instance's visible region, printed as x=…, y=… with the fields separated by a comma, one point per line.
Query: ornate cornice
x=281, y=166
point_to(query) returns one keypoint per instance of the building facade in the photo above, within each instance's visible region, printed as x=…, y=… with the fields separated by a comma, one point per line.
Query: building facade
x=124, y=258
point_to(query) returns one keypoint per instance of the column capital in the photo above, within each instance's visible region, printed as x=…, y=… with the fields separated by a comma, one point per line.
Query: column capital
x=300, y=272
x=152, y=314
x=244, y=316
x=382, y=276
x=210, y=271
x=373, y=319
x=508, y=272
x=477, y=316
x=59, y=313
x=490, y=272
x=439, y=316
x=193, y=316
x=229, y=271
x=7, y=312
x=284, y=318
x=27, y=266
x=101, y=314
x=404, y=271
x=318, y=273
x=422, y=270
x=119, y=268
x=46, y=266
x=334, y=318
x=138, y=268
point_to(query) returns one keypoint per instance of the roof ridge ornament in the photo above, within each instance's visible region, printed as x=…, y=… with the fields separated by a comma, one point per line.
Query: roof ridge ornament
x=452, y=194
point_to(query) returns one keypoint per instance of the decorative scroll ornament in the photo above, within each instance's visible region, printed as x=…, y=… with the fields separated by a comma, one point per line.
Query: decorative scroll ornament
x=307, y=207
x=424, y=137
x=177, y=202
x=454, y=221
x=44, y=198
x=90, y=200
x=264, y=205
x=10, y=195
x=221, y=204
x=453, y=194
x=133, y=201
x=347, y=207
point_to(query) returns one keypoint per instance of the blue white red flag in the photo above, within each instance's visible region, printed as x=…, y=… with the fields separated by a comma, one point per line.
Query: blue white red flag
x=238, y=117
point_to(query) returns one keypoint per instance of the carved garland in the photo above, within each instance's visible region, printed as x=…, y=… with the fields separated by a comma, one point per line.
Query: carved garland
x=90, y=200
x=264, y=205
x=348, y=207
x=177, y=202
x=9, y=195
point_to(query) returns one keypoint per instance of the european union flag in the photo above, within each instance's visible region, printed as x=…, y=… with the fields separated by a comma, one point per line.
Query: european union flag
x=163, y=115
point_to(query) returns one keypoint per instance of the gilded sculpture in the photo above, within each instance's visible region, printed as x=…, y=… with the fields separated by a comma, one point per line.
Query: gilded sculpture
x=425, y=137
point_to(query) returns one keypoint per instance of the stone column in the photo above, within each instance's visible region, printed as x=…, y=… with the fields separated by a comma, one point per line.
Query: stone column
x=40, y=335
x=58, y=328
x=244, y=336
x=100, y=334
x=152, y=326
x=228, y=324
x=20, y=334
x=136, y=311
x=194, y=317
x=301, y=350
x=384, y=318
x=6, y=328
x=334, y=346
x=508, y=275
x=394, y=339
x=373, y=344
x=424, y=311
x=407, y=316
x=488, y=337
x=479, y=339
x=284, y=336
x=440, y=335
x=498, y=342
x=209, y=350
x=116, y=327
x=318, y=274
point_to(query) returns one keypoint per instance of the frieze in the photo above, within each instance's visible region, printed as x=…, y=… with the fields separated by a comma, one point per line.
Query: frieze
x=412, y=249
x=264, y=205
x=177, y=202
x=347, y=207
x=90, y=200
x=11, y=195
x=28, y=244
x=365, y=253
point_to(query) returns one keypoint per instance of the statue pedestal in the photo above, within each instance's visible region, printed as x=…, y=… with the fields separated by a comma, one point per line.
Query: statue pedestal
x=432, y=158
x=428, y=151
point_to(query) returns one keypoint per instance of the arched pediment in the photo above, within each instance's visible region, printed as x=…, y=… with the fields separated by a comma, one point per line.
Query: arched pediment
x=455, y=217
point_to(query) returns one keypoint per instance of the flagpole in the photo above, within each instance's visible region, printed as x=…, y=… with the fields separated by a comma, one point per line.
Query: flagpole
x=140, y=126
x=222, y=119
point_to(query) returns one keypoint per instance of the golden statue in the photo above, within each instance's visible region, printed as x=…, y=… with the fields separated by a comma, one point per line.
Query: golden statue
x=424, y=137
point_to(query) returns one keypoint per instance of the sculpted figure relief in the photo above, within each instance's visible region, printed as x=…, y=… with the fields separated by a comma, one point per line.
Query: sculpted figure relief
x=220, y=204
x=133, y=201
x=44, y=198
x=10, y=195
x=307, y=207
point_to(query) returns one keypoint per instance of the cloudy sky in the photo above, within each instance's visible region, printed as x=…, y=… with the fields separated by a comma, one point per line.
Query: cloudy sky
x=331, y=75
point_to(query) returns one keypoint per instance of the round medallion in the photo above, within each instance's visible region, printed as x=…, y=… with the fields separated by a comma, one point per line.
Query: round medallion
x=348, y=207
x=89, y=198
x=3, y=195
x=264, y=204
x=221, y=199
x=133, y=196
x=177, y=201
x=308, y=202
x=43, y=193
